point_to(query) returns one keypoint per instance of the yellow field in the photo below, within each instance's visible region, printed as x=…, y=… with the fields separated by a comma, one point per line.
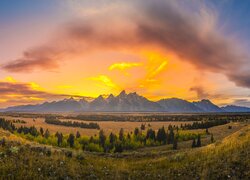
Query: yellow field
x=107, y=126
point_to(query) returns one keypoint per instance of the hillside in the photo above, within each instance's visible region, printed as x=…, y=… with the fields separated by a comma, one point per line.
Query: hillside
x=225, y=159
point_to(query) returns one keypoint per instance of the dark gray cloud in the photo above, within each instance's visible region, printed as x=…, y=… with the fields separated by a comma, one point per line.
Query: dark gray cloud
x=242, y=102
x=8, y=88
x=193, y=36
x=202, y=93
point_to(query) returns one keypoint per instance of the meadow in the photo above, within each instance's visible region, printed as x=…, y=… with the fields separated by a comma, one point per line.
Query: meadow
x=107, y=126
x=227, y=158
x=221, y=149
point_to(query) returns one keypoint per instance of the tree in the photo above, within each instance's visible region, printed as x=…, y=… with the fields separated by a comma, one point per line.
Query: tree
x=47, y=134
x=161, y=135
x=128, y=136
x=91, y=139
x=121, y=134
x=59, y=139
x=118, y=147
x=207, y=132
x=171, y=136
x=143, y=127
x=212, y=138
x=175, y=143
x=150, y=134
x=111, y=139
x=41, y=131
x=78, y=135
x=102, y=138
x=33, y=131
x=57, y=134
x=136, y=131
x=194, y=143
x=198, y=141
x=71, y=140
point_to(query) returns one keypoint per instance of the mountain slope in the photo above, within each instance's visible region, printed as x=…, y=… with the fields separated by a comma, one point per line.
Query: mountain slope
x=233, y=108
x=207, y=106
x=124, y=102
x=178, y=105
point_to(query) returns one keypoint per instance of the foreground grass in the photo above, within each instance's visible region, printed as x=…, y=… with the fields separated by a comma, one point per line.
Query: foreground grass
x=225, y=159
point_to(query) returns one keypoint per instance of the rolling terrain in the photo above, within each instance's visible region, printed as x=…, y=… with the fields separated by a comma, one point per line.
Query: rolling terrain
x=227, y=158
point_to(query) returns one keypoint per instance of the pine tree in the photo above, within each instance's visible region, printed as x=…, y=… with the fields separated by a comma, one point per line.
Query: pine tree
x=128, y=137
x=212, y=138
x=121, y=134
x=171, y=136
x=41, y=131
x=59, y=139
x=71, y=140
x=161, y=135
x=194, y=143
x=111, y=139
x=143, y=127
x=175, y=143
x=207, y=132
x=91, y=139
x=198, y=141
x=102, y=138
x=47, y=134
x=118, y=147
x=136, y=132
x=57, y=134
x=78, y=135
x=150, y=134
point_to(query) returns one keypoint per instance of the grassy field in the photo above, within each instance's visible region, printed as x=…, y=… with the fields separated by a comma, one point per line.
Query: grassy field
x=107, y=126
x=227, y=158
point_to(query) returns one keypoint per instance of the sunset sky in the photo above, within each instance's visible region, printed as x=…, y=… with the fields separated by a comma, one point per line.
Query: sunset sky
x=190, y=49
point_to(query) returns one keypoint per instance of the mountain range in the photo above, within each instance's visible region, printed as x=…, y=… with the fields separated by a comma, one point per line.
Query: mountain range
x=124, y=102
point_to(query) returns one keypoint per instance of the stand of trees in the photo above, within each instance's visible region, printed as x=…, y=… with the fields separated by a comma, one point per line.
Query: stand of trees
x=204, y=124
x=162, y=117
x=18, y=121
x=53, y=120
x=102, y=142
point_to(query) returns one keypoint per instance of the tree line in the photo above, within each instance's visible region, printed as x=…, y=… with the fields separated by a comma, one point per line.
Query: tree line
x=53, y=120
x=161, y=117
x=204, y=124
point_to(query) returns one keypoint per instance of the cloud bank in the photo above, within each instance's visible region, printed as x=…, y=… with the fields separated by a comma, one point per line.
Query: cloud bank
x=142, y=24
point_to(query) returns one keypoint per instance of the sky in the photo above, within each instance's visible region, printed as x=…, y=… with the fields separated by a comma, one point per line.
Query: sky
x=189, y=49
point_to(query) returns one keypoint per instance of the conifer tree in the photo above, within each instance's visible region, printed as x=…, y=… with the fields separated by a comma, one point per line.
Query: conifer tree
x=59, y=139
x=212, y=138
x=71, y=140
x=41, y=131
x=121, y=134
x=111, y=139
x=194, y=143
x=102, y=138
x=118, y=147
x=175, y=143
x=47, y=134
x=136, y=132
x=128, y=137
x=78, y=135
x=198, y=141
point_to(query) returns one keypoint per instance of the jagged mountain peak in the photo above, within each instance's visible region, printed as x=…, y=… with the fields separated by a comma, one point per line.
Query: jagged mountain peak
x=124, y=102
x=122, y=94
x=207, y=106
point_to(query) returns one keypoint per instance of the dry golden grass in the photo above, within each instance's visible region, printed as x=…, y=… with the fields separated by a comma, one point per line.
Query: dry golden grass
x=107, y=126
